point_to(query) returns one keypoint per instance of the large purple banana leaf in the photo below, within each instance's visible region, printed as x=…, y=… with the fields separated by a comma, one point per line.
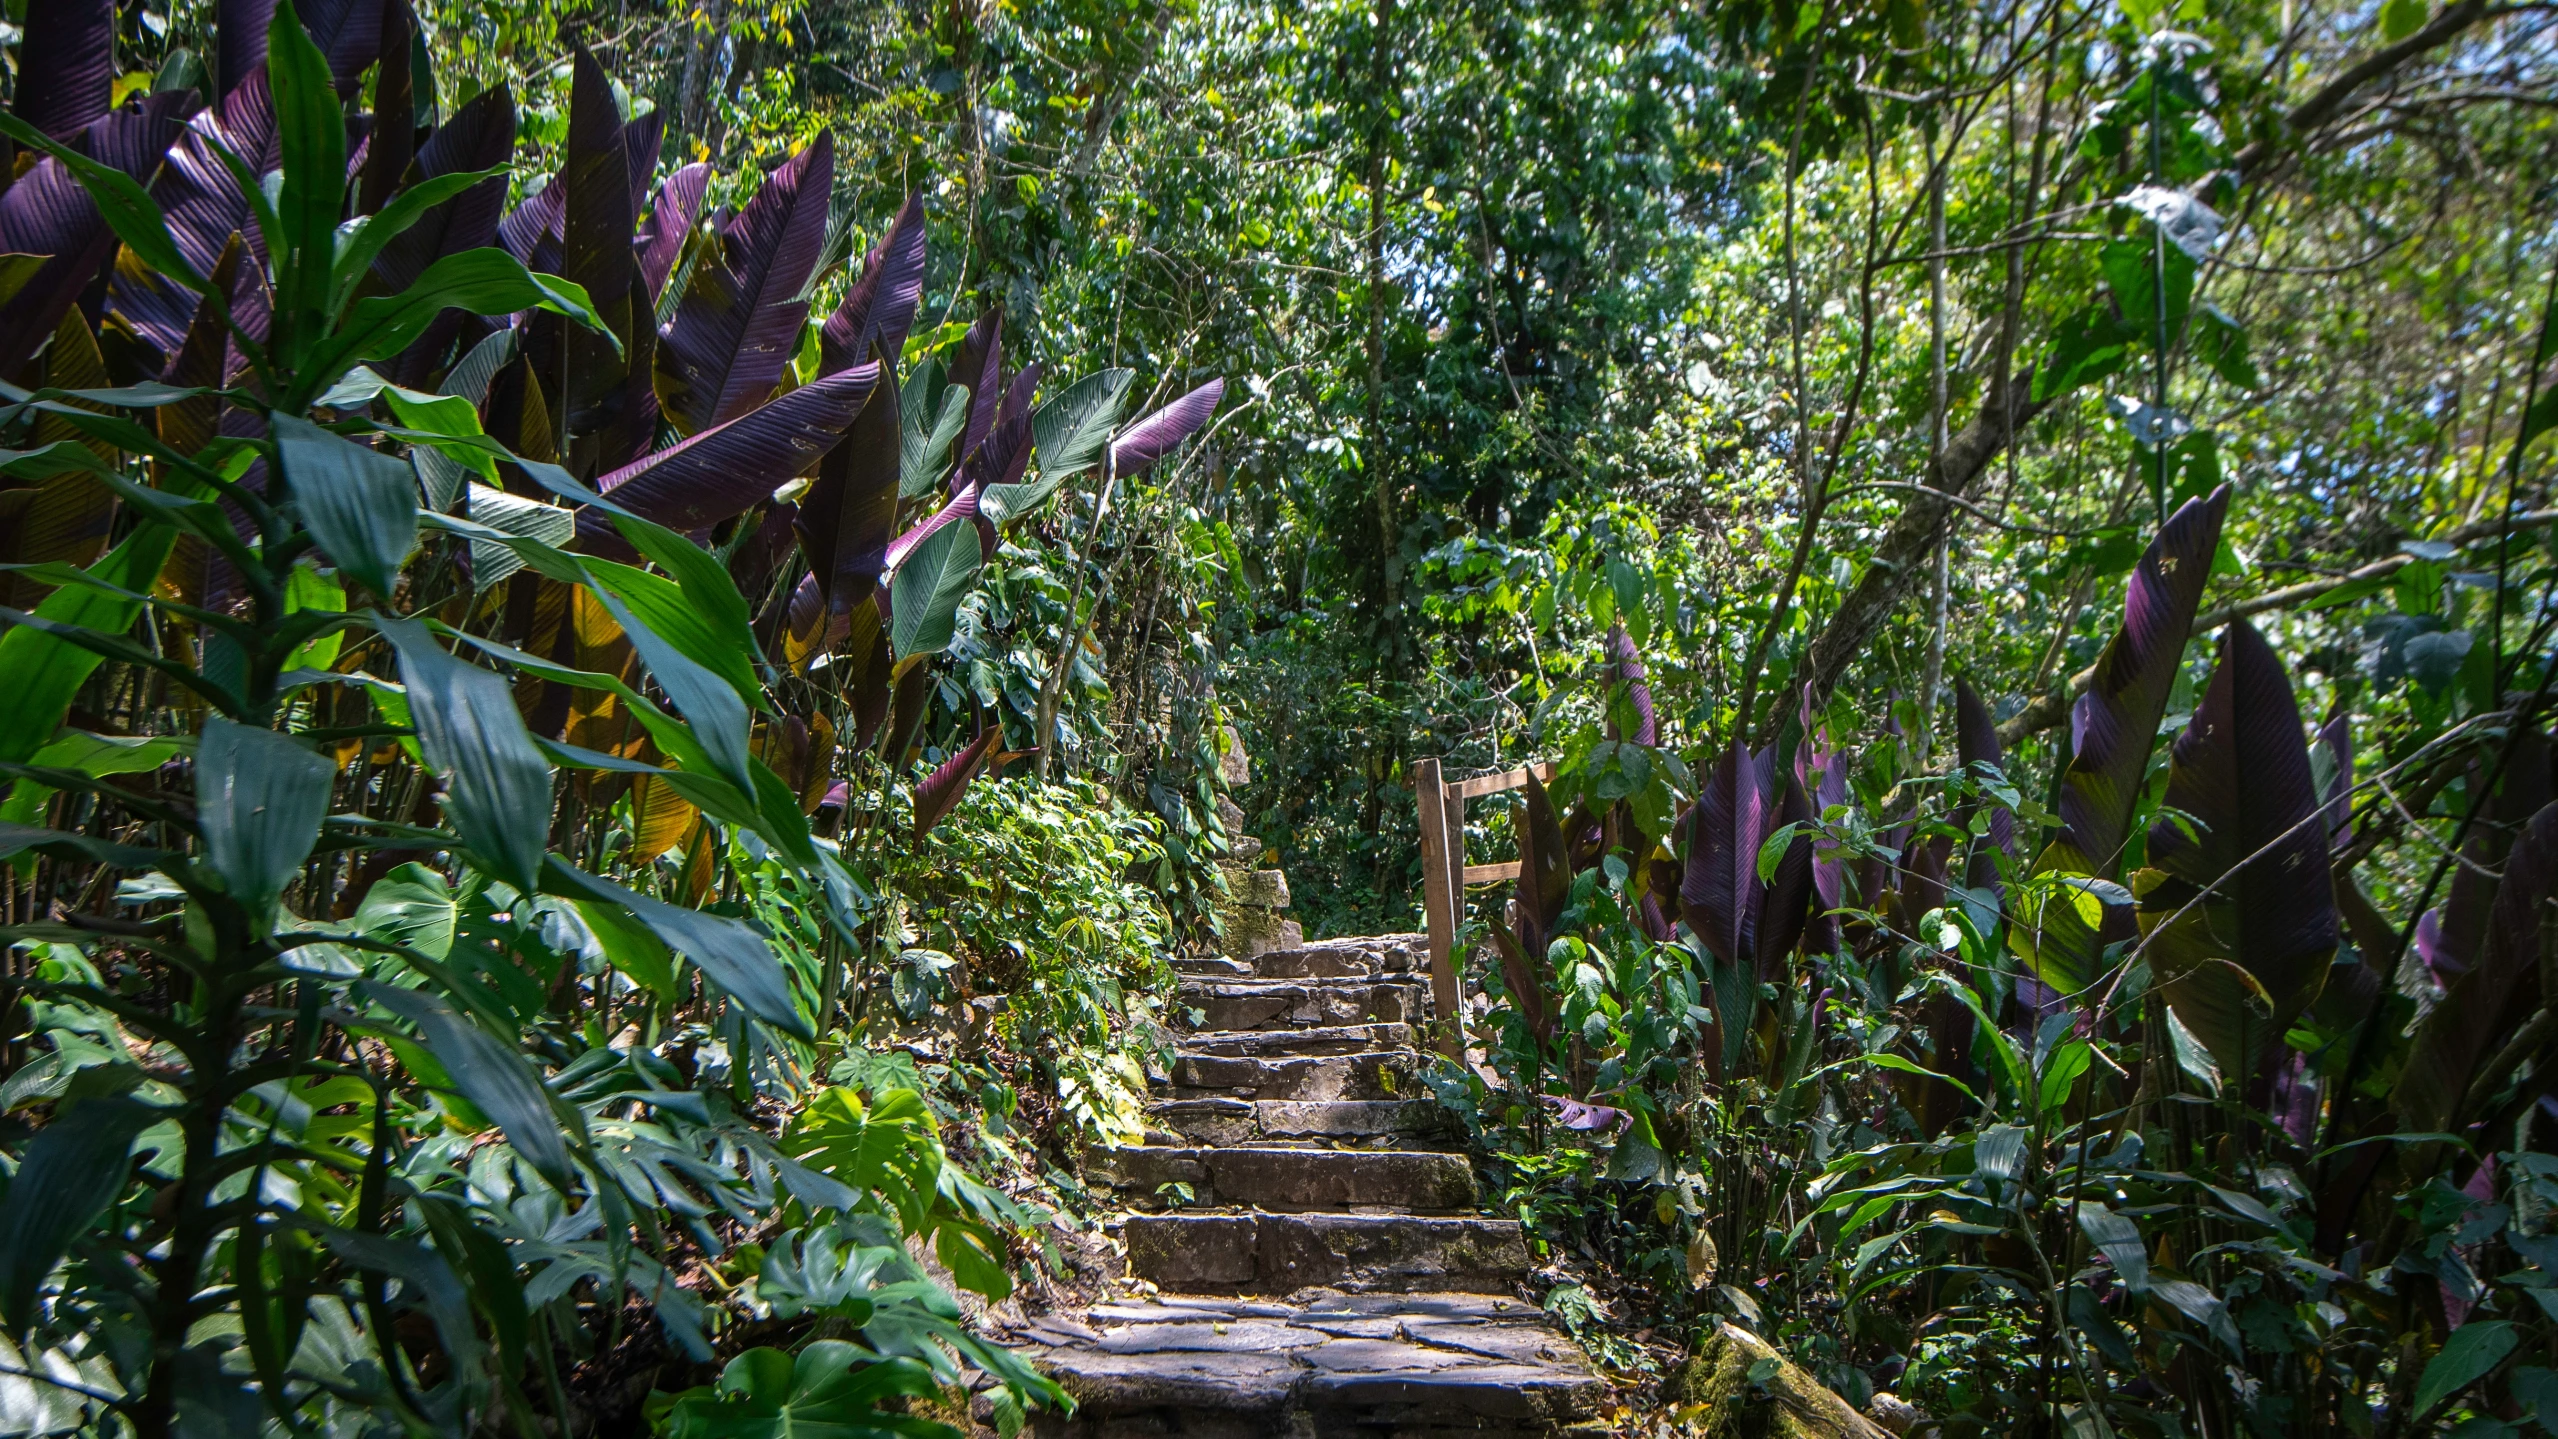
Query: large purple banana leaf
x=595, y=252
x=2490, y=1000
x=1158, y=434
x=391, y=142
x=740, y=317
x=1787, y=904
x=1976, y=744
x=349, y=33
x=479, y=135
x=976, y=364
x=2238, y=902
x=846, y=517
x=1721, y=894
x=670, y=223
x=1545, y=885
x=2448, y=936
x=536, y=220
x=66, y=65
x=880, y=307
x=1624, y=668
x=2112, y=730
x=937, y=794
x=48, y=213
x=239, y=41
x=201, y=200
x=725, y=470
x=2114, y=724
x=1822, y=772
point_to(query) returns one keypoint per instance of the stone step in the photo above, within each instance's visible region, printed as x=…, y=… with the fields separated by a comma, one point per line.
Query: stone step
x=1370, y=1075
x=1213, y=966
x=1393, y=1180
x=1331, y=1365
x=1347, y=958
x=1271, y=1043
x=1301, y=1004
x=1283, y=1253
x=1222, y=1122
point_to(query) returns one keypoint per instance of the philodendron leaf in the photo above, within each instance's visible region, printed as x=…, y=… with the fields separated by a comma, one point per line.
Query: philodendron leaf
x=2238, y=899
x=500, y=793
x=259, y=799
x=360, y=504
x=833, y=1390
x=73, y=1168
x=733, y=956
x=925, y=593
x=490, y=1073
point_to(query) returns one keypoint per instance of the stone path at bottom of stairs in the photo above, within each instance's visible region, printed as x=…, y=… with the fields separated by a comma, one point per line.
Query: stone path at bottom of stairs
x=1328, y=1273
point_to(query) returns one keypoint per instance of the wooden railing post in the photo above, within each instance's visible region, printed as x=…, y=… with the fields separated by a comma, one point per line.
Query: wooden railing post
x=1441, y=896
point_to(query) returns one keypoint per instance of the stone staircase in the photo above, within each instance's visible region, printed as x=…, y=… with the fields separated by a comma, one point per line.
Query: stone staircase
x=1301, y=1205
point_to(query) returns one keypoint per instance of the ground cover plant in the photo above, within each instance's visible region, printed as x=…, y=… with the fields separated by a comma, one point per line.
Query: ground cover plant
x=458, y=807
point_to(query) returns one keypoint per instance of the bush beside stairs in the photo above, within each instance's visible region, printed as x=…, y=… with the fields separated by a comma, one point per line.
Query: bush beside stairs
x=1328, y=1272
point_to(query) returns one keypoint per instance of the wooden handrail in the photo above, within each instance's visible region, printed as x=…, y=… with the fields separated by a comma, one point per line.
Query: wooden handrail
x=1445, y=874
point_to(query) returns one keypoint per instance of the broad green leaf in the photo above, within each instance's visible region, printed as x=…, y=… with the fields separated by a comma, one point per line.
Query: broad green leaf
x=309, y=589
x=926, y=433
x=2400, y=19
x=2471, y=1353
x=2218, y=342
x=630, y=947
x=260, y=798
x=71, y=1170
x=1070, y=432
x=669, y=609
x=730, y=954
x=93, y=755
x=925, y=593
x=490, y=1073
x=2118, y=1238
x=42, y=673
x=2087, y=346
x=311, y=129
x=361, y=239
x=710, y=705
x=833, y=1390
x=411, y=906
x=500, y=794
x=553, y=525
x=360, y=504
x=482, y=282
x=444, y=415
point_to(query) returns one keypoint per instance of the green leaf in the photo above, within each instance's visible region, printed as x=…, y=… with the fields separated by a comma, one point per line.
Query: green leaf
x=413, y=906
x=360, y=504
x=1069, y=435
x=710, y=704
x=730, y=954
x=693, y=628
x=2200, y=1305
x=94, y=755
x=630, y=947
x=483, y=282
x=307, y=590
x=552, y=525
x=925, y=593
x=490, y=1073
x=362, y=239
x=260, y=798
x=2220, y=343
x=2471, y=1353
x=2118, y=1238
x=2134, y=268
x=40, y=673
x=311, y=129
x=925, y=434
x=70, y=1171
x=2400, y=19
x=830, y=1391
x=2088, y=346
x=444, y=415
x=500, y=794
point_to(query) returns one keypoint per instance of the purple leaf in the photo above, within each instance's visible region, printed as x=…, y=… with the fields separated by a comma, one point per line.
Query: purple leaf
x=478, y=136
x=1720, y=895
x=1150, y=439
x=848, y=514
x=880, y=307
x=1976, y=743
x=1545, y=871
x=530, y=223
x=1787, y=900
x=202, y=202
x=938, y=793
x=740, y=317
x=1574, y=1114
x=641, y=140
x=48, y=213
x=1521, y=977
x=2241, y=820
x=1822, y=771
x=1624, y=666
x=595, y=252
x=725, y=470
x=66, y=65
x=2338, y=736
x=670, y=223
x=2448, y=936
x=392, y=142
x=239, y=39
x=349, y=33
x=2492, y=998
x=979, y=361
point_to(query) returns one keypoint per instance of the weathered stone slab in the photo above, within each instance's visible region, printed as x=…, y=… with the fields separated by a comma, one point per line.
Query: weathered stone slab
x=1247, y=1336
x=1340, y=1039
x=1226, y=1121
x=1298, y=1179
x=1280, y=1004
x=1284, y=1253
x=1316, y=1078
x=1212, y=966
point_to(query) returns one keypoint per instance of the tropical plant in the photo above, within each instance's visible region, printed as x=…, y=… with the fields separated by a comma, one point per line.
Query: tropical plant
x=388, y=701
